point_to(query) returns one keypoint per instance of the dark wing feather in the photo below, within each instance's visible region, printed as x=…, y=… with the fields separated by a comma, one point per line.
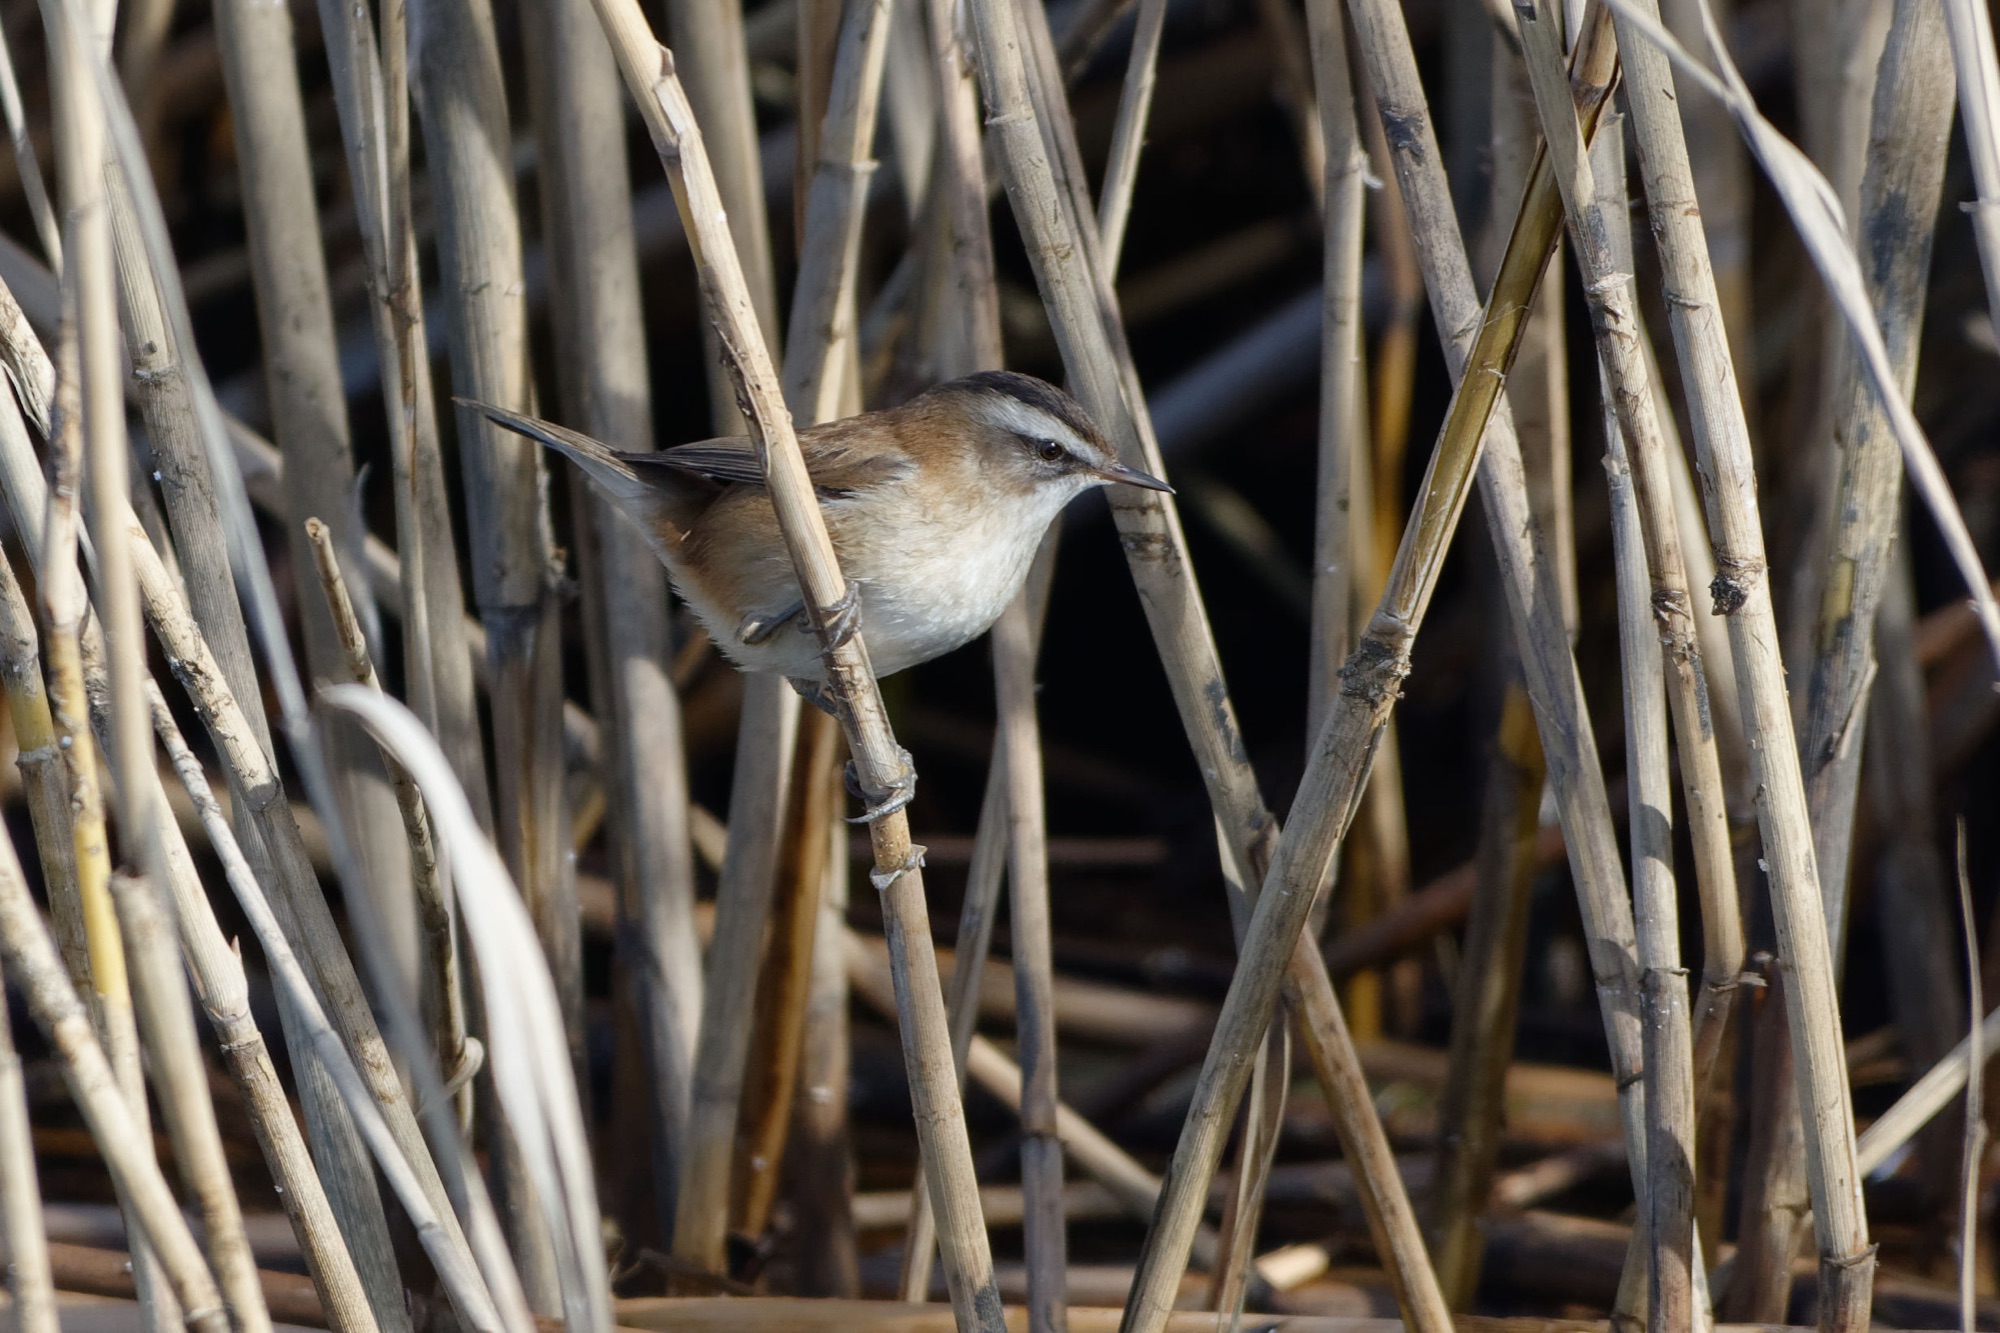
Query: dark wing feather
x=837, y=468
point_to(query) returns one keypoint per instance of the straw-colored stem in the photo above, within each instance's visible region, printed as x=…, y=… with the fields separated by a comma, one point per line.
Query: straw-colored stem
x=26, y=164
x=456, y=77
x=707, y=37
x=881, y=765
x=1128, y=133
x=1975, y=1118
x=29, y=1282
x=121, y=1138
x=784, y=979
x=486, y=1296
x=822, y=1193
x=1487, y=339
x=1971, y=28
x=1342, y=433
x=1034, y=968
x=1064, y=253
x=600, y=350
x=1742, y=592
x=308, y=406
x=443, y=1000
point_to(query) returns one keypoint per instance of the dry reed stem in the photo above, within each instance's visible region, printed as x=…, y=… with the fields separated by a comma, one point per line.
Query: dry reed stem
x=308, y=406
x=1742, y=592
x=1533, y=603
x=1971, y=28
x=784, y=978
x=461, y=102
x=822, y=1195
x=1342, y=424
x=443, y=1001
x=1078, y=297
x=301, y=903
x=1128, y=132
x=1603, y=258
x=600, y=350
x=1899, y=194
x=881, y=764
x=125, y=1146
x=821, y=329
x=29, y=1282
x=371, y=95
x=484, y=1295
x=1975, y=1119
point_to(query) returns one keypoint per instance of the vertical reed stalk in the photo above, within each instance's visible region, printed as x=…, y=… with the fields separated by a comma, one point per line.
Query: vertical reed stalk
x=29, y=1283
x=82, y=393
x=1128, y=133
x=1972, y=52
x=1742, y=592
x=600, y=349
x=822, y=1195
x=308, y=405
x=1533, y=597
x=784, y=979
x=1900, y=190
x=1077, y=295
x=822, y=323
x=882, y=767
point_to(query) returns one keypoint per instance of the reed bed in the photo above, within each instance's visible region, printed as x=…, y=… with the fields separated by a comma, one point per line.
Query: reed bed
x=409, y=920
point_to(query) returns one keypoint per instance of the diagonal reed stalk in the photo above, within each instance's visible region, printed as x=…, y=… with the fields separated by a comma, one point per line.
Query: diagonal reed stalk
x=882, y=767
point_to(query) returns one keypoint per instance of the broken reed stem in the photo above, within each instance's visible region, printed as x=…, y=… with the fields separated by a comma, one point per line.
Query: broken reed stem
x=1128, y=132
x=29, y=1282
x=121, y=1138
x=1077, y=295
x=1742, y=593
x=881, y=765
x=602, y=386
x=443, y=1000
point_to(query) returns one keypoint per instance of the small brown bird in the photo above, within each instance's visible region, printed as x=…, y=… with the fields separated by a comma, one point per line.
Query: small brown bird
x=935, y=509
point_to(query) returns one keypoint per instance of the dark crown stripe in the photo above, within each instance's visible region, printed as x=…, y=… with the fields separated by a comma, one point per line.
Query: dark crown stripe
x=1038, y=394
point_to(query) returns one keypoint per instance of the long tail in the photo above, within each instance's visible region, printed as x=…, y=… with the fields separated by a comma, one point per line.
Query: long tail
x=653, y=507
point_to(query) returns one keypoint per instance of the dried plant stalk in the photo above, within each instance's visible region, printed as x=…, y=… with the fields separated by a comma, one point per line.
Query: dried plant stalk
x=442, y=998
x=1077, y=297
x=125, y=1146
x=1128, y=133
x=1742, y=593
x=600, y=349
x=881, y=765
x=28, y=1278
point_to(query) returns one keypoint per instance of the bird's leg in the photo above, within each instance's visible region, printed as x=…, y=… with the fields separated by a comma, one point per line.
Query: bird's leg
x=901, y=789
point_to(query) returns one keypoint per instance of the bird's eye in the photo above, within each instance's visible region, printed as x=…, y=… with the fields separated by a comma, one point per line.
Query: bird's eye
x=1050, y=451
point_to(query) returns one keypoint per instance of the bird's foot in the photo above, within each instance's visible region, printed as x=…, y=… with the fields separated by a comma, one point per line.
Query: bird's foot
x=842, y=618
x=815, y=694
x=901, y=790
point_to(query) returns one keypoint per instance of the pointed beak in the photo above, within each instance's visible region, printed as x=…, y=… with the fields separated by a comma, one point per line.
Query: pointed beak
x=1133, y=477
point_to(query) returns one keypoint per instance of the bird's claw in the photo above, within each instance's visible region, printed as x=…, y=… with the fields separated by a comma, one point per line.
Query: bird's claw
x=842, y=618
x=902, y=789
